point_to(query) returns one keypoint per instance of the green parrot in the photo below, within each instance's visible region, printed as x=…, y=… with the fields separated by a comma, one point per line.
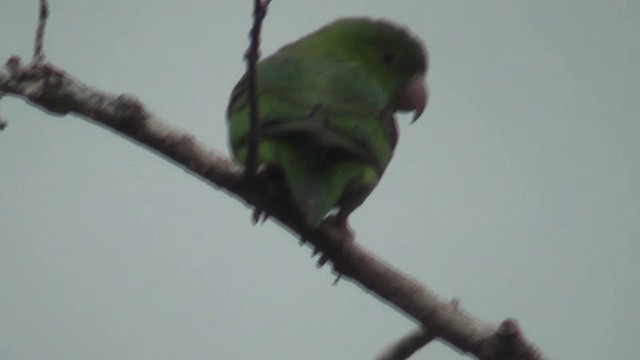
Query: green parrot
x=326, y=111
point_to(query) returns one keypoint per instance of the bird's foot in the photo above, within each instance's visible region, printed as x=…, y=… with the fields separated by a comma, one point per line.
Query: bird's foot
x=264, y=179
x=340, y=224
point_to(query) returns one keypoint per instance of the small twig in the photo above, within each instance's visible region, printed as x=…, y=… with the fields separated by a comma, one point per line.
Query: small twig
x=406, y=346
x=4, y=76
x=252, y=56
x=38, y=53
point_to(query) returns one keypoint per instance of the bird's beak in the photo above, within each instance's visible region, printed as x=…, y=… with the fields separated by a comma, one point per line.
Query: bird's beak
x=414, y=96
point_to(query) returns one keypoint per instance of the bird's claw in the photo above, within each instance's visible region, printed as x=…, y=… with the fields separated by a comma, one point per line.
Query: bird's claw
x=259, y=216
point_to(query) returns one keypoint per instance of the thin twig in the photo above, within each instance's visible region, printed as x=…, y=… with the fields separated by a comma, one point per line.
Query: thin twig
x=38, y=53
x=252, y=56
x=407, y=345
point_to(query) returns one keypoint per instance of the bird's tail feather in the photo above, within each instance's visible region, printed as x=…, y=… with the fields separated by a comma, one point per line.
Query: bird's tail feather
x=316, y=184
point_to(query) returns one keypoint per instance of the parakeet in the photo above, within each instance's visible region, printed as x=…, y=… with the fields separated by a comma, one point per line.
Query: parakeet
x=326, y=111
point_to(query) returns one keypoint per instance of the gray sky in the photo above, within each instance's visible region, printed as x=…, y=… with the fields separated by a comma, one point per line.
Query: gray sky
x=517, y=191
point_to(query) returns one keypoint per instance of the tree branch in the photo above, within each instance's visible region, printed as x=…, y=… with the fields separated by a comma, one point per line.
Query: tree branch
x=49, y=87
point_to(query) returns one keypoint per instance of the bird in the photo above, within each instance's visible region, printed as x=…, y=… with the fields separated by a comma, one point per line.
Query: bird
x=327, y=105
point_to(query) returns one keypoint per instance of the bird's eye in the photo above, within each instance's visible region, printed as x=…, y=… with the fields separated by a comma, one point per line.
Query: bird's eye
x=389, y=57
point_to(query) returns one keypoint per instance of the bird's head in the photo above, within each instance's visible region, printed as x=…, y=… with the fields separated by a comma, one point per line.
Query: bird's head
x=390, y=54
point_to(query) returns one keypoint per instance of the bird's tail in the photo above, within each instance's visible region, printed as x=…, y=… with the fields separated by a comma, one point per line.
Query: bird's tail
x=316, y=184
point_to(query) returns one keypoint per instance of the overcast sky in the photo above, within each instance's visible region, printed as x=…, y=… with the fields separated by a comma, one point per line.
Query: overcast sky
x=517, y=191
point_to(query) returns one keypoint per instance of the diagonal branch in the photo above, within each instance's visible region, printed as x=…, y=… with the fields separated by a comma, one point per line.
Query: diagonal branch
x=50, y=88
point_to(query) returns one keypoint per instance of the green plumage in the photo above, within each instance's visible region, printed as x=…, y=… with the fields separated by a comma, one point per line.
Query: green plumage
x=326, y=111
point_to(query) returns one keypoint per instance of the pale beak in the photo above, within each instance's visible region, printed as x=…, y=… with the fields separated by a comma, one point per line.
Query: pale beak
x=414, y=97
